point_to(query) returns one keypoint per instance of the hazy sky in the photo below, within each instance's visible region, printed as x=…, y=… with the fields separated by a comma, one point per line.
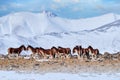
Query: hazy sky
x=63, y=8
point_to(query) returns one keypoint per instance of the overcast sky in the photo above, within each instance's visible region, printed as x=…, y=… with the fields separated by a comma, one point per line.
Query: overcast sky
x=62, y=8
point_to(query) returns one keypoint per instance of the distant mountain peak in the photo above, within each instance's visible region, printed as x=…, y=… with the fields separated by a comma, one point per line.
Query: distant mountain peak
x=49, y=13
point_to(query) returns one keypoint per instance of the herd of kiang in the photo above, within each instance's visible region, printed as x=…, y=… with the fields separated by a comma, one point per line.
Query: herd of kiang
x=59, y=52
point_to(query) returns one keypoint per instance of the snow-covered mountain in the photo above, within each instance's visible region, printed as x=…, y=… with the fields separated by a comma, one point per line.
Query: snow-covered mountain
x=46, y=22
x=47, y=29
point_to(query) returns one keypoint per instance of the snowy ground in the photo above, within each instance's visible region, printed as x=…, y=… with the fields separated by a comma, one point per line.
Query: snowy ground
x=10, y=75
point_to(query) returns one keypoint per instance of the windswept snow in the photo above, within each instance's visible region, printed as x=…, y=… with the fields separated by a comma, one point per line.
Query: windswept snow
x=10, y=75
x=46, y=30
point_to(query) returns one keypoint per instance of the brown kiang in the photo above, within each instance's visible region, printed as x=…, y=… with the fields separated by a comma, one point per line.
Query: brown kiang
x=64, y=51
x=93, y=52
x=16, y=50
x=57, y=52
x=88, y=52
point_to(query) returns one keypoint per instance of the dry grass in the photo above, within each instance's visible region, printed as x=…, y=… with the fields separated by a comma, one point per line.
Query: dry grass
x=60, y=65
